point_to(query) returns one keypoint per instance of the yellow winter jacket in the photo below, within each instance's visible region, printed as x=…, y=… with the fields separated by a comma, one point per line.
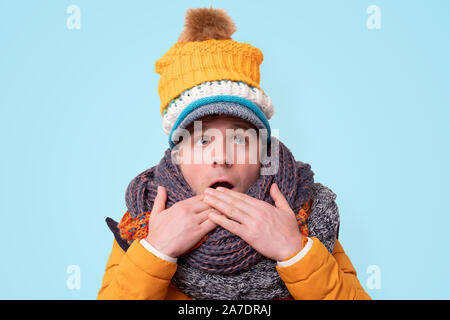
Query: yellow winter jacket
x=138, y=274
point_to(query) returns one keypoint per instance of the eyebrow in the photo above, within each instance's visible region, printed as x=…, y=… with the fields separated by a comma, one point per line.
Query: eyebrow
x=234, y=125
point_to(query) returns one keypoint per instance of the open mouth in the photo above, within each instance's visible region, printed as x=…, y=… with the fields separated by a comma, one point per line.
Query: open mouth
x=224, y=184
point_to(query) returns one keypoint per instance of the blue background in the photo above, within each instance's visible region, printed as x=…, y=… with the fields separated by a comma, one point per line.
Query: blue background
x=368, y=109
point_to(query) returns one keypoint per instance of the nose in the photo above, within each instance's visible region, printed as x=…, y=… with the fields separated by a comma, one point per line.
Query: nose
x=223, y=158
x=226, y=163
x=222, y=161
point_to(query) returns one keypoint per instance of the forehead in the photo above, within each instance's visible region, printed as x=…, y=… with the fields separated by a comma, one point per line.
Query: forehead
x=220, y=120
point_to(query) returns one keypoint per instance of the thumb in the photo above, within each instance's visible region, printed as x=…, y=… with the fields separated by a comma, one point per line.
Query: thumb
x=160, y=201
x=278, y=197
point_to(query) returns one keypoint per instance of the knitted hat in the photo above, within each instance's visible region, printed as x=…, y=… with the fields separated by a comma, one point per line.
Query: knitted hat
x=206, y=72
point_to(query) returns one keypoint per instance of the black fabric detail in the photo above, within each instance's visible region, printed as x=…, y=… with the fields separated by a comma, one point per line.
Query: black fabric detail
x=112, y=225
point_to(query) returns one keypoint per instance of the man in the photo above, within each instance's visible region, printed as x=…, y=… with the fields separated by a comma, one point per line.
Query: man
x=210, y=221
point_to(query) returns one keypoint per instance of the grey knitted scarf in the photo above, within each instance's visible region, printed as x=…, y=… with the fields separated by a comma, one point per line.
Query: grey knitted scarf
x=224, y=266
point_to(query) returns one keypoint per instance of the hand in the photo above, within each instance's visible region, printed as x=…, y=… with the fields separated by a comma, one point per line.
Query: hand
x=270, y=230
x=175, y=230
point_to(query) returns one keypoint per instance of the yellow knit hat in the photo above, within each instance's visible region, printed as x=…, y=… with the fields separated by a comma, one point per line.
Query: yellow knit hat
x=187, y=64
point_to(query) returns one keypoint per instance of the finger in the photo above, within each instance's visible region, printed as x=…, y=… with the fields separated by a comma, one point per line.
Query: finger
x=160, y=200
x=207, y=226
x=278, y=197
x=225, y=208
x=193, y=204
x=195, y=198
x=234, y=198
x=203, y=215
x=232, y=226
x=198, y=206
x=239, y=195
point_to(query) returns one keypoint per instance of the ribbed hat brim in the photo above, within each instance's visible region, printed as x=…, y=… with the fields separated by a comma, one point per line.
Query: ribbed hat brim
x=220, y=108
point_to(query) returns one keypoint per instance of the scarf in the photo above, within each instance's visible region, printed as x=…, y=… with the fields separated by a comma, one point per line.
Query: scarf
x=221, y=265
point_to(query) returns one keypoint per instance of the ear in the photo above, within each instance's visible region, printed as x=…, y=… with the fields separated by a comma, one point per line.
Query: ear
x=177, y=155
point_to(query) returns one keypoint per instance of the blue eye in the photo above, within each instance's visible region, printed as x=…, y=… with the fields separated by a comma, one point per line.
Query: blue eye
x=203, y=140
x=240, y=139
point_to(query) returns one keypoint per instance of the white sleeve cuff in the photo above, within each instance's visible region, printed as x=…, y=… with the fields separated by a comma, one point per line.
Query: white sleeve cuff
x=298, y=256
x=156, y=252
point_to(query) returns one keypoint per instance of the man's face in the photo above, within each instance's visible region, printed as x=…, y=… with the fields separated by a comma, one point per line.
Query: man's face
x=224, y=152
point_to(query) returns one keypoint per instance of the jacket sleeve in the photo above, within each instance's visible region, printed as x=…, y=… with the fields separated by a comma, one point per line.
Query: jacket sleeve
x=136, y=274
x=320, y=275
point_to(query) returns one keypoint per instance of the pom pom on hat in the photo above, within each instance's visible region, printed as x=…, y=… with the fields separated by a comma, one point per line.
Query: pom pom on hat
x=207, y=23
